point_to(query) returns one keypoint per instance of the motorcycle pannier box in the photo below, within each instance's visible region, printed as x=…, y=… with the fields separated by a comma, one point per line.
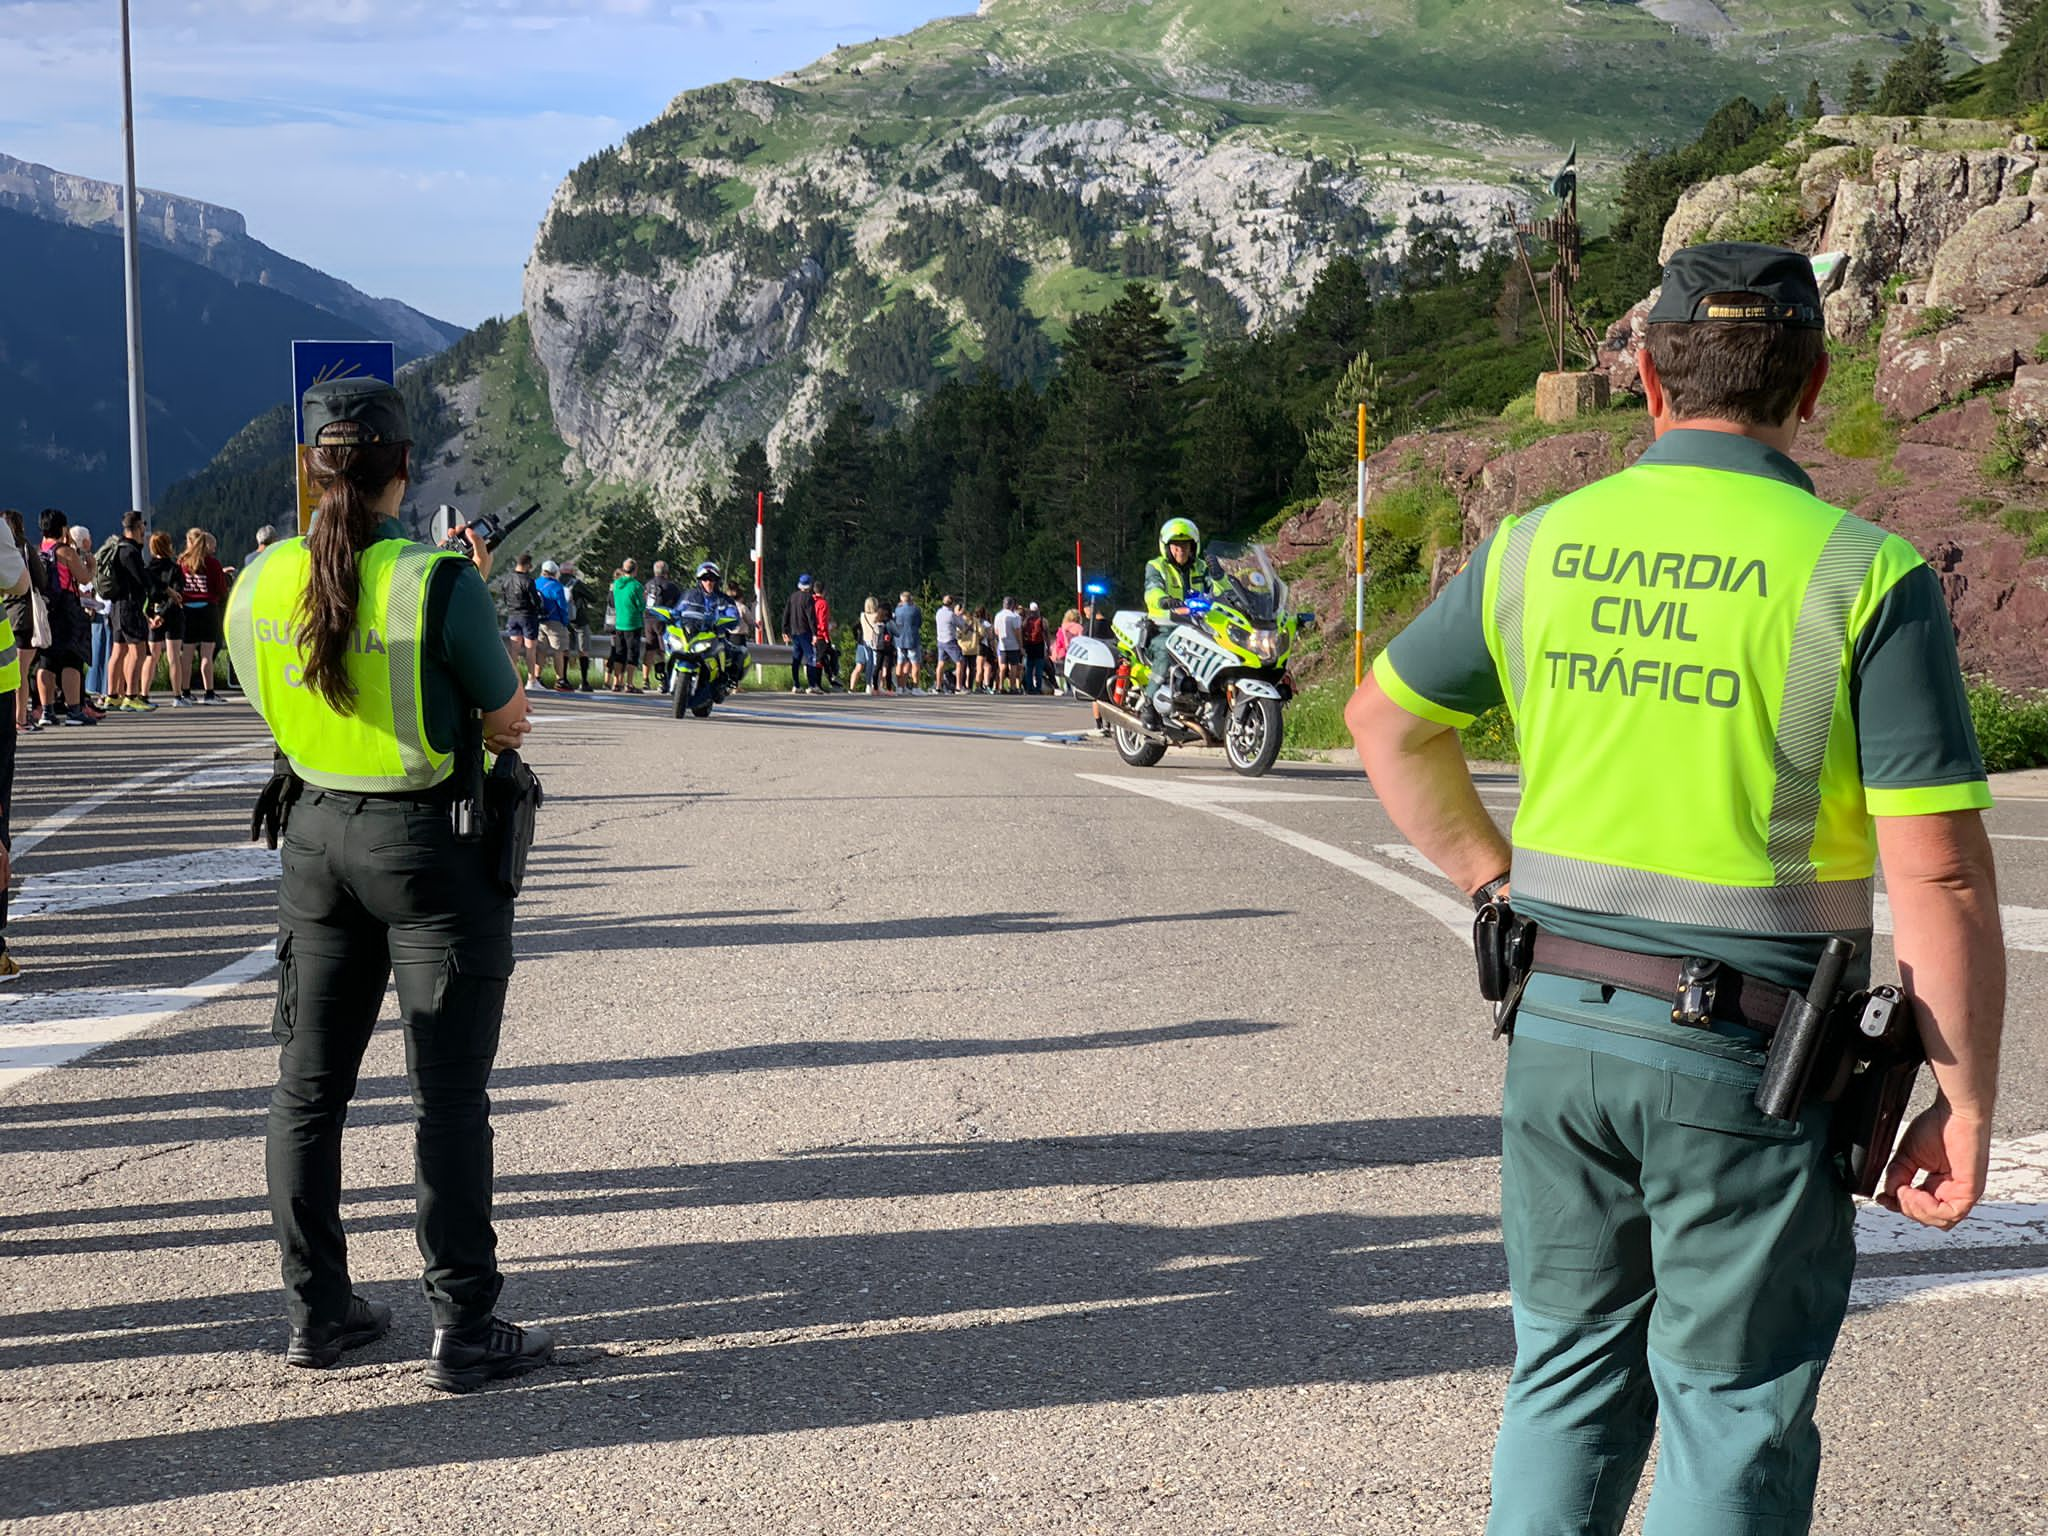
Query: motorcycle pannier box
x=1090, y=666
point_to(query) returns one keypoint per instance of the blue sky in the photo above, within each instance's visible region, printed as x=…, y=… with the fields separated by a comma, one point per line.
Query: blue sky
x=408, y=146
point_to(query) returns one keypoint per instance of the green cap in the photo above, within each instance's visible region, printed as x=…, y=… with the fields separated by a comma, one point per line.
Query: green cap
x=1774, y=285
x=353, y=413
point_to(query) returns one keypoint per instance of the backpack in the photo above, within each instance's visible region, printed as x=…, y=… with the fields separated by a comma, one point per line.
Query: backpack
x=1034, y=630
x=107, y=580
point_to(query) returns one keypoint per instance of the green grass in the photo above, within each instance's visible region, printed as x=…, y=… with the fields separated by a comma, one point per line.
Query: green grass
x=2012, y=728
x=1933, y=319
x=1857, y=426
x=1315, y=717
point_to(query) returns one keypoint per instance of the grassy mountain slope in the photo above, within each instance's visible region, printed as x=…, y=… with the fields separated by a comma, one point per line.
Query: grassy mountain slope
x=871, y=224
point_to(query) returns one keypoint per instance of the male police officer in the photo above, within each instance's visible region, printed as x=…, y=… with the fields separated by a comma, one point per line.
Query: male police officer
x=1179, y=570
x=1719, y=682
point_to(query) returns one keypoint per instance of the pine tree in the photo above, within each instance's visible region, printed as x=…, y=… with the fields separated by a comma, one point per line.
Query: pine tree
x=1333, y=447
x=1914, y=82
x=1858, y=98
x=1813, y=109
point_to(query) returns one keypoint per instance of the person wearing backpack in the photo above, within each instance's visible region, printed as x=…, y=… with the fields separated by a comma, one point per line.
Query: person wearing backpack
x=120, y=579
x=1035, y=641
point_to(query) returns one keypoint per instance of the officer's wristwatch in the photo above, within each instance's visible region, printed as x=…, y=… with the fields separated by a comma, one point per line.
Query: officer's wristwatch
x=1489, y=893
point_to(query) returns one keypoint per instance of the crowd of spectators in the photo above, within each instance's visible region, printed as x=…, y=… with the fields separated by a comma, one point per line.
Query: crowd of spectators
x=1015, y=649
x=104, y=629
x=555, y=617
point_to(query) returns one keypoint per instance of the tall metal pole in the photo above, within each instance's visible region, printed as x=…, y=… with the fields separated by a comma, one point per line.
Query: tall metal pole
x=138, y=407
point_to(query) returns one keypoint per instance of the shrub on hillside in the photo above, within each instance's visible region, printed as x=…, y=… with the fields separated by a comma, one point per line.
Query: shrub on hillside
x=2012, y=728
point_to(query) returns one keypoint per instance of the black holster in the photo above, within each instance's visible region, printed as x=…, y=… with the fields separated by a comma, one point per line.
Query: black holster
x=1504, y=946
x=512, y=797
x=274, y=805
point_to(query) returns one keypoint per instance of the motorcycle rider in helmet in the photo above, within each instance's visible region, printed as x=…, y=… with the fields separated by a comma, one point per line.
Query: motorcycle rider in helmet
x=706, y=596
x=1179, y=570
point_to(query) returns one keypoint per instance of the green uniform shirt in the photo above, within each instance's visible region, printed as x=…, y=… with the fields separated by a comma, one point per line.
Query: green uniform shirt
x=464, y=664
x=1915, y=748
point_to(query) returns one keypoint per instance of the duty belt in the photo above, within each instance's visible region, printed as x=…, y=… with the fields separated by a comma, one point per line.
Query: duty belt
x=1700, y=990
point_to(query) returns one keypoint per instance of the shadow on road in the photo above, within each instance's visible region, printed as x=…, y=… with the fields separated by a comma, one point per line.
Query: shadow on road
x=778, y=1056
x=812, y=1332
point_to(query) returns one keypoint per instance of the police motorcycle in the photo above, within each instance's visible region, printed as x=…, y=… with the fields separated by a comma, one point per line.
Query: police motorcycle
x=706, y=644
x=1227, y=676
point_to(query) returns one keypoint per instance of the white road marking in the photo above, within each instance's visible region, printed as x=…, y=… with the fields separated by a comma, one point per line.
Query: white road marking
x=78, y=810
x=2013, y=1213
x=226, y=776
x=2015, y=837
x=57, y=1027
x=1454, y=915
x=138, y=880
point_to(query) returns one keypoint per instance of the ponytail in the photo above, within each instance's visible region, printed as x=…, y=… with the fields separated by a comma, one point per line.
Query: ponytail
x=351, y=480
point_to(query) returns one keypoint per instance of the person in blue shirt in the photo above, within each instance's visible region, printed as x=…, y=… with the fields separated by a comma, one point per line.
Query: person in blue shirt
x=554, y=624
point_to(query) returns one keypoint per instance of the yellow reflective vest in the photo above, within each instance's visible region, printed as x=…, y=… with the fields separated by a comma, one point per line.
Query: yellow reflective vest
x=1745, y=807
x=382, y=746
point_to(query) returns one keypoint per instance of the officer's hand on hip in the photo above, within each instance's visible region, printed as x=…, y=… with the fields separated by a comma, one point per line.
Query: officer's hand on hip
x=1951, y=1154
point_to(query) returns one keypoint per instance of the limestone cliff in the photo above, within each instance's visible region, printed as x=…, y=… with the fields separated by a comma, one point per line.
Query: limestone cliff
x=862, y=227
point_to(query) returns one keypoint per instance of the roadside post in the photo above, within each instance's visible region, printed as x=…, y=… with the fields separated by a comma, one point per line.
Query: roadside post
x=760, y=591
x=1358, y=563
x=1078, y=584
x=317, y=362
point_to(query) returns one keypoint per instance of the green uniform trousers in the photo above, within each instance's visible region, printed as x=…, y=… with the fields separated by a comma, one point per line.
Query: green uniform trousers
x=1675, y=1258
x=374, y=887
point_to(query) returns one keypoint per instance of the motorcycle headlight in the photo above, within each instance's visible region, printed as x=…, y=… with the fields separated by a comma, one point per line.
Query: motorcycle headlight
x=701, y=646
x=1263, y=643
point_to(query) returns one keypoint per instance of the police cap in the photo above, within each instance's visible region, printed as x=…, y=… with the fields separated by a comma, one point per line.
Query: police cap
x=1733, y=280
x=354, y=413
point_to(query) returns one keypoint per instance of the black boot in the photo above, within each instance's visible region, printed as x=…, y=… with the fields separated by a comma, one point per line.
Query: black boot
x=318, y=1346
x=464, y=1359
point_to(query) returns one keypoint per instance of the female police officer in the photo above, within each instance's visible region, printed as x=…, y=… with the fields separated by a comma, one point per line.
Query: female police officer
x=367, y=654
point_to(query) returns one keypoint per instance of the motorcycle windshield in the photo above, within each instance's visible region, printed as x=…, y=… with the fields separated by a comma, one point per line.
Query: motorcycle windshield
x=1246, y=580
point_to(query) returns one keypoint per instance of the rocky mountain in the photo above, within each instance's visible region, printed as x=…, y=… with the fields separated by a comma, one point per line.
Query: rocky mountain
x=217, y=239
x=870, y=223
x=1935, y=419
x=219, y=313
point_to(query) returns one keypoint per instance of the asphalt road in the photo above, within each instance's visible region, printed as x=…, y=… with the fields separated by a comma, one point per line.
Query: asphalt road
x=909, y=1126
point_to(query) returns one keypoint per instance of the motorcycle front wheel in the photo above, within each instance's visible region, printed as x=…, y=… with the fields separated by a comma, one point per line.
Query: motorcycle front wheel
x=680, y=687
x=1135, y=749
x=1252, y=738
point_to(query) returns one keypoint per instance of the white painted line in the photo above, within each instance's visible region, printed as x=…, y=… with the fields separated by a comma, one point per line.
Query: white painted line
x=1454, y=915
x=227, y=776
x=78, y=810
x=58, y=1027
x=2025, y=927
x=114, y=885
x=2013, y=1213
x=2015, y=837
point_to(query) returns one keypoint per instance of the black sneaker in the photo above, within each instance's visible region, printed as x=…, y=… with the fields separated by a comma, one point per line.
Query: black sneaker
x=464, y=1359
x=317, y=1347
